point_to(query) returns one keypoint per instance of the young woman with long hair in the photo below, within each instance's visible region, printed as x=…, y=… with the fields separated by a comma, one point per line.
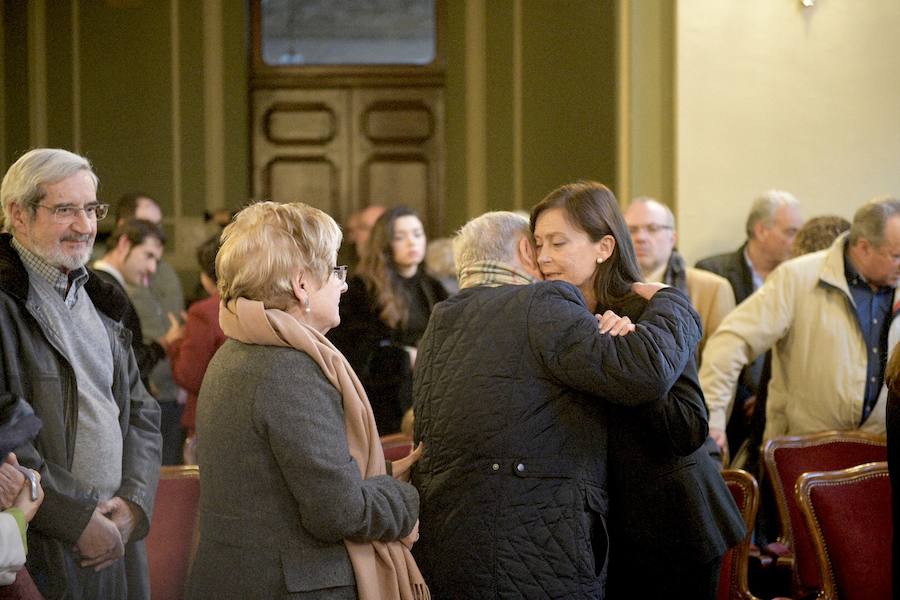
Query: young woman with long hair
x=385, y=312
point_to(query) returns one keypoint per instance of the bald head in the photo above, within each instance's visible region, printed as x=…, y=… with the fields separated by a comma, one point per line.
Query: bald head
x=652, y=228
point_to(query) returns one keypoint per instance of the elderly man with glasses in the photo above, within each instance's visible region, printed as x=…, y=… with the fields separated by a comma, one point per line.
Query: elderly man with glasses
x=66, y=353
x=652, y=228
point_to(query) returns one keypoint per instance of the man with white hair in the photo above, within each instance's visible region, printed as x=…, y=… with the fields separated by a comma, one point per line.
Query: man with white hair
x=66, y=353
x=772, y=224
x=827, y=317
x=513, y=477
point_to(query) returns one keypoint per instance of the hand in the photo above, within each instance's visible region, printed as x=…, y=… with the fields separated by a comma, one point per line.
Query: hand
x=749, y=407
x=400, y=468
x=25, y=503
x=613, y=324
x=719, y=437
x=121, y=512
x=413, y=536
x=11, y=481
x=174, y=333
x=100, y=544
x=646, y=290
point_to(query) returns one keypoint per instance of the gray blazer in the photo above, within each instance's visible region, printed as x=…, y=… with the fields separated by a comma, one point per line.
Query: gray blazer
x=278, y=488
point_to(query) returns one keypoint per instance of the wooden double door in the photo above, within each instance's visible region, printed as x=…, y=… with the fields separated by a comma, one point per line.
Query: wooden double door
x=344, y=148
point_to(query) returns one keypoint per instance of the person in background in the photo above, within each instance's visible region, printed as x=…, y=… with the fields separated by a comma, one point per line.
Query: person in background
x=671, y=517
x=818, y=234
x=827, y=317
x=385, y=314
x=191, y=354
x=652, y=228
x=294, y=498
x=134, y=249
x=773, y=222
x=439, y=263
x=164, y=284
x=66, y=353
x=358, y=230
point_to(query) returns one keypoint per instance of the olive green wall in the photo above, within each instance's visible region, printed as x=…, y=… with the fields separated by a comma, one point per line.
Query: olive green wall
x=530, y=99
x=125, y=84
x=549, y=100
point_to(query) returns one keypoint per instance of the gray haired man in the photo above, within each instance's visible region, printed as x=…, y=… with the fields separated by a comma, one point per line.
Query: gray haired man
x=66, y=353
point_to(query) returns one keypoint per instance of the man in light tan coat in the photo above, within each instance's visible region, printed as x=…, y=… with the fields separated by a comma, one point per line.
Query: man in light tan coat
x=652, y=228
x=827, y=316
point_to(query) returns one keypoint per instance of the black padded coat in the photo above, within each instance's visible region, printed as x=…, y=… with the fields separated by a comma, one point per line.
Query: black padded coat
x=513, y=478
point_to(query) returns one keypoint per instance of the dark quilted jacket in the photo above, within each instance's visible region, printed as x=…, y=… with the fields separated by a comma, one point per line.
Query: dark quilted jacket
x=508, y=389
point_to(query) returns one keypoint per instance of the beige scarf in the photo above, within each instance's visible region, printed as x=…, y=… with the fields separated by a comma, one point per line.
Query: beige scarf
x=383, y=570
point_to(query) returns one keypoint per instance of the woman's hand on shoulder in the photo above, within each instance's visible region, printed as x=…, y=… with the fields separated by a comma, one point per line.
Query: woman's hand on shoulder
x=400, y=468
x=611, y=323
x=646, y=290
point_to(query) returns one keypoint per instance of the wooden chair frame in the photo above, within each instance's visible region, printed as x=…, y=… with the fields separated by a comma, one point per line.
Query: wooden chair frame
x=786, y=535
x=740, y=584
x=805, y=484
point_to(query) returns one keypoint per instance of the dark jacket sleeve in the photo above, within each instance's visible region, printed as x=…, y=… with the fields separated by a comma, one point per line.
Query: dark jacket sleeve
x=628, y=370
x=303, y=421
x=678, y=424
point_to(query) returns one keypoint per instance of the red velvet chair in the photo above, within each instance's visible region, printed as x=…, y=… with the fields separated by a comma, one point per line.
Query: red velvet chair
x=848, y=513
x=396, y=446
x=733, y=583
x=23, y=588
x=785, y=460
x=173, y=531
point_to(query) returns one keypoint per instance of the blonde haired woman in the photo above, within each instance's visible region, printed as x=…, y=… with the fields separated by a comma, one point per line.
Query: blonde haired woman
x=294, y=498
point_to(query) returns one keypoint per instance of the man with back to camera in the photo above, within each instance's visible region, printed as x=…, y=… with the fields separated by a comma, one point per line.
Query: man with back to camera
x=773, y=222
x=65, y=352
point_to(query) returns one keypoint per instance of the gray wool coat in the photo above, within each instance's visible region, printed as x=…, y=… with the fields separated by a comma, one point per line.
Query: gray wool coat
x=279, y=491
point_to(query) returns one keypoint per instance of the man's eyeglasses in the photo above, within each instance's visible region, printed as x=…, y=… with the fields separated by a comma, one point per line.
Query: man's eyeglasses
x=340, y=272
x=67, y=213
x=651, y=228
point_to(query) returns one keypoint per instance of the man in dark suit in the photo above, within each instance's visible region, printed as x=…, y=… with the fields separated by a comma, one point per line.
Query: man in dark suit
x=773, y=222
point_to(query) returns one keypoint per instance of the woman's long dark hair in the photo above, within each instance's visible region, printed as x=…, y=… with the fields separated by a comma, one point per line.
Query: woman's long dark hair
x=593, y=208
x=379, y=271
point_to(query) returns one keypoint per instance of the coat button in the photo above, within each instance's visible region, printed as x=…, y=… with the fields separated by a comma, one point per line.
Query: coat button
x=495, y=467
x=520, y=467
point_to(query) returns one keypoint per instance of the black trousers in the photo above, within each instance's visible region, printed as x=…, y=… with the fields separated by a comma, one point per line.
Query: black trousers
x=669, y=581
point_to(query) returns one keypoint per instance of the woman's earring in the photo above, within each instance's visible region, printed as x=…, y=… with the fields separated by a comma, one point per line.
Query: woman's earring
x=306, y=307
x=599, y=260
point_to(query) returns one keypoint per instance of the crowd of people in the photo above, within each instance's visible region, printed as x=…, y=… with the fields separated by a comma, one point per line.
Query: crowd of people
x=574, y=389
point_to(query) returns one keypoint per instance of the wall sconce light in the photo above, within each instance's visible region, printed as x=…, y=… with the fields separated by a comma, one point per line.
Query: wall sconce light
x=808, y=3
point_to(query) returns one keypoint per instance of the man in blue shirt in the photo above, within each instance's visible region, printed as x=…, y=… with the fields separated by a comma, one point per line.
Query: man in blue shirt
x=827, y=318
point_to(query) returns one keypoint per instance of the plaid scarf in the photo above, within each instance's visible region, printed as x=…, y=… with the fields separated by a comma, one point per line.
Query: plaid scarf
x=492, y=274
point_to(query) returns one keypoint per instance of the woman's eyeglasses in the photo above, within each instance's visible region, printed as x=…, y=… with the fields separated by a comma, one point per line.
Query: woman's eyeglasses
x=340, y=272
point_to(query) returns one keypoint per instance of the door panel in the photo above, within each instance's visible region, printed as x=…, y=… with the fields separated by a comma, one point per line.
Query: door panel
x=341, y=149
